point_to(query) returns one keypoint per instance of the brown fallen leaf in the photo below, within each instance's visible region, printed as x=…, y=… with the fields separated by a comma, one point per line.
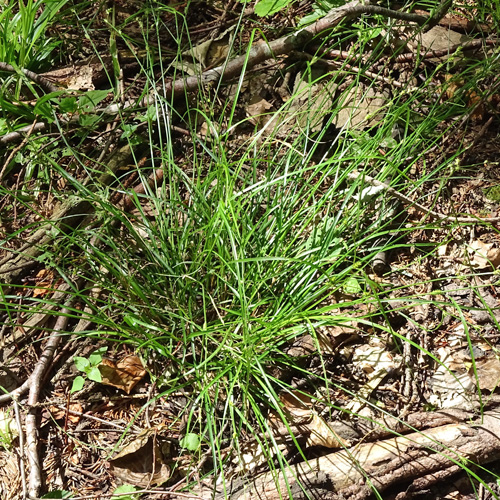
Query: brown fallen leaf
x=298, y=406
x=125, y=374
x=44, y=280
x=62, y=413
x=321, y=434
x=144, y=461
x=484, y=255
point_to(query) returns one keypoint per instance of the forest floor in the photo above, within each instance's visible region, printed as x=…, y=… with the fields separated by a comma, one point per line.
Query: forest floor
x=248, y=255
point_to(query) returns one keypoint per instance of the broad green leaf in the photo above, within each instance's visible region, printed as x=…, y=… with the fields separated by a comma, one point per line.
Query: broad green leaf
x=96, y=357
x=91, y=99
x=78, y=384
x=128, y=130
x=351, y=286
x=88, y=120
x=95, y=375
x=81, y=364
x=190, y=441
x=270, y=7
x=68, y=105
x=126, y=488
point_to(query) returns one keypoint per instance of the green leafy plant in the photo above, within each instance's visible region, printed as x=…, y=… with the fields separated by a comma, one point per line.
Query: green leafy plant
x=89, y=366
x=320, y=9
x=190, y=441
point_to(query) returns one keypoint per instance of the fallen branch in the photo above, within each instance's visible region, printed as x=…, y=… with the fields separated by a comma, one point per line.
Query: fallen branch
x=19, y=134
x=355, y=472
x=296, y=41
x=40, y=80
x=258, y=54
x=35, y=382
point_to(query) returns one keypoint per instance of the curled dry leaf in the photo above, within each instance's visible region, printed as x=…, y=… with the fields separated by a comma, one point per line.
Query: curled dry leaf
x=377, y=363
x=302, y=416
x=321, y=434
x=144, y=461
x=44, y=280
x=484, y=255
x=124, y=375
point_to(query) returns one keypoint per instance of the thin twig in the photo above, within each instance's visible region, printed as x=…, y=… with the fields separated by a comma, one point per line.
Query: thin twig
x=408, y=201
x=16, y=149
x=21, y=447
x=473, y=44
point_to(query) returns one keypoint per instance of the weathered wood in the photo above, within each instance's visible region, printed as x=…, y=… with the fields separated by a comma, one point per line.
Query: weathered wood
x=412, y=459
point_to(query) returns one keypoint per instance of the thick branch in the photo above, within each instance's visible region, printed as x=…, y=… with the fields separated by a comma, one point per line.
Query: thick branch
x=263, y=51
x=40, y=80
x=35, y=476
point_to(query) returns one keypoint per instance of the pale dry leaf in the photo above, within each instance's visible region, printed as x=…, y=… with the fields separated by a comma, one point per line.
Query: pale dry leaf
x=296, y=403
x=371, y=358
x=451, y=384
x=321, y=434
x=488, y=373
x=377, y=363
x=82, y=75
x=483, y=255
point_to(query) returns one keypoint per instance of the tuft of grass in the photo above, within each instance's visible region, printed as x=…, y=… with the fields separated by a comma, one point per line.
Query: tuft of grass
x=23, y=32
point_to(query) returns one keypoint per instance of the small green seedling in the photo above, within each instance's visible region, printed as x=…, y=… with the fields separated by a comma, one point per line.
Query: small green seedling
x=190, y=441
x=90, y=366
x=8, y=430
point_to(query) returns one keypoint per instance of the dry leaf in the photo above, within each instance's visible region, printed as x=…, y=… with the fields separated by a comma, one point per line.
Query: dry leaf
x=376, y=362
x=484, y=255
x=451, y=384
x=44, y=280
x=124, y=375
x=321, y=434
x=258, y=111
x=83, y=75
x=144, y=461
x=488, y=373
x=62, y=413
